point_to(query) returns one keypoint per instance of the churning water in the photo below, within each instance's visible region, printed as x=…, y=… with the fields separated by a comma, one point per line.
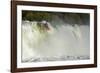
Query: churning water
x=63, y=42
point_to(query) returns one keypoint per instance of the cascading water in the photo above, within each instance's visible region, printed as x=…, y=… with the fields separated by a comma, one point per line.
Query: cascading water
x=55, y=43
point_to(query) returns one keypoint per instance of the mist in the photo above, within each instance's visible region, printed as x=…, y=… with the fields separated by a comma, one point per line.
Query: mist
x=65, y=40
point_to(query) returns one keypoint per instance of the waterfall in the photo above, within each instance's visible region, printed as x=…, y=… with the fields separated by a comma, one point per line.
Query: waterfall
x=65, y=41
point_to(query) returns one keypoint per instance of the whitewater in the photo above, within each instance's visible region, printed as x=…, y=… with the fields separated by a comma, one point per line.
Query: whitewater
x=65, y=42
